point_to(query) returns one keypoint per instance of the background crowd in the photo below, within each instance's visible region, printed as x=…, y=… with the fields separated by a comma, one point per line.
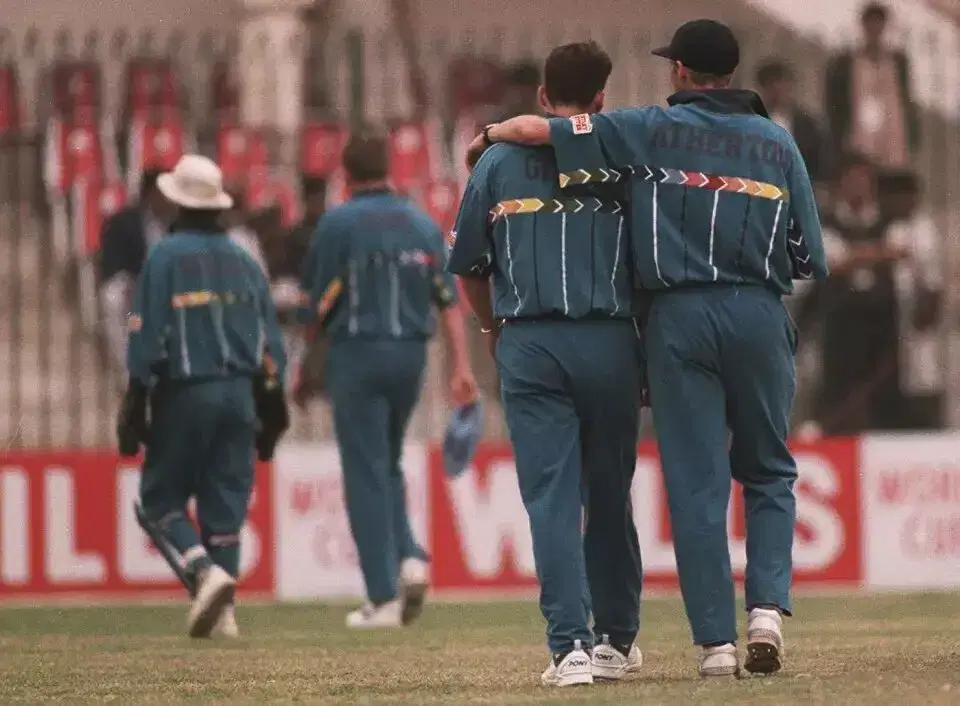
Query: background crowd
x=872, y=338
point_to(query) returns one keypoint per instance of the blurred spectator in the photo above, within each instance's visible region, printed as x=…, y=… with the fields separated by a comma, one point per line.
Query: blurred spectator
x=314, y=192
x=520, y=94
x=858, y=309
x=126, y=238
x=919, y=283
x=235, y=222
x=776, y=84
x=868, y=95
x=475, y=86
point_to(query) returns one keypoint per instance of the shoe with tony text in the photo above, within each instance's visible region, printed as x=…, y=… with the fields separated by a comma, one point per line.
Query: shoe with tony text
x=615, y=662
x=764, y=641
x=570, y=668
x=720, y=661
x=369, y=616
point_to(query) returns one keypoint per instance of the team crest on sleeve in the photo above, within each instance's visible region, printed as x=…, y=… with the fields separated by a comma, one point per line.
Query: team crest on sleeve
x=582, y=125
x=134, y=323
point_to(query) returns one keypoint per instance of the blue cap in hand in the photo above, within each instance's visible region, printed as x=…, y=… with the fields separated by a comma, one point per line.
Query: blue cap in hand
x=461, y=438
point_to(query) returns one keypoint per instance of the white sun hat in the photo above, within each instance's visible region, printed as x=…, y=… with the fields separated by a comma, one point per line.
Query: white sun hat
x=195, y=182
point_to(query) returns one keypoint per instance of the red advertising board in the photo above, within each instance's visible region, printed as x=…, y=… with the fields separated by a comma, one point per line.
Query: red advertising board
x=67, y=527
x=480, y=536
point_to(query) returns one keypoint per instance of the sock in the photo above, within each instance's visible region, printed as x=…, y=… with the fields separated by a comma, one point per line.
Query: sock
x=224, y=549
x=196, y=562
x=619, y=644
x=577, y=645
x=177, y=529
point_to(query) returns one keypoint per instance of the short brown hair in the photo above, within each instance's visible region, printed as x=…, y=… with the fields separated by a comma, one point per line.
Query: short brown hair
x=365, y=157
x=699, y=78
x=574, y=74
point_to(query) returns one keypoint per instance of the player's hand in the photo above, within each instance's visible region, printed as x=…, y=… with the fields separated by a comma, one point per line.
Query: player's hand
x=132, y=427
x=274, y=418
x=476, y=150
x=463, y=386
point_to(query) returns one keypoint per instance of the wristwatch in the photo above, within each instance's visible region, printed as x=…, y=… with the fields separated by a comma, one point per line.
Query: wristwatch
x=486, y=134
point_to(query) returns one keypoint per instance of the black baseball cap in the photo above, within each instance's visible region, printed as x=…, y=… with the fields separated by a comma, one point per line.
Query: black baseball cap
x=705, y=46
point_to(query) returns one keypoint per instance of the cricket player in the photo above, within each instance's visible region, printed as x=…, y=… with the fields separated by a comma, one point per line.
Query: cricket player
x=372, y=278
x=722, y=219
x=560, y=322
x=205, y=351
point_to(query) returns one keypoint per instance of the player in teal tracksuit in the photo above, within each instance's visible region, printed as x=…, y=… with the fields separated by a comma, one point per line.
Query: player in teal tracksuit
x=566, y=348
x=373, y=278
x=722, y=218
x=204, y=346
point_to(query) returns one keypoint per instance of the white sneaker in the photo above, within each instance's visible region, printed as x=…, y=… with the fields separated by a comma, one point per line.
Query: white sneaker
x=414, y=582
x=720, y=661
x=764, y=641
x=386, y=615
x=610, y=664
x=214, y=593
x=573, y=669
x=226, y=627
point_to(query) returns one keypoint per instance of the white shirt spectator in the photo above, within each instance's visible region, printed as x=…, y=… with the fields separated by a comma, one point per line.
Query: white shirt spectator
x=921, y=351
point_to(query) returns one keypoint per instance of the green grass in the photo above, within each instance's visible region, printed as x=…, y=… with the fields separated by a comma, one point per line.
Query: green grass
x=892, y=649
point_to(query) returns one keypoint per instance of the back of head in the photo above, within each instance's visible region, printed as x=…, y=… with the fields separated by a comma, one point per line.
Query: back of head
x=365, y=158
x=523, y=74
x=575, y=75
x=703, y=53
x=773, y=71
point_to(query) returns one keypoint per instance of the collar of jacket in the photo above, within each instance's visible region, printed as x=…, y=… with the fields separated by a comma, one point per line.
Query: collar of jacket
x=731, y=101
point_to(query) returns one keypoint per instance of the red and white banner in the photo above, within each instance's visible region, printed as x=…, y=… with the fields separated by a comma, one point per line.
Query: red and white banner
x=872, y=513
x=152, y=90
x=76, y=90
x=316, y=555
x=67, y=527
x=92, y=205
x=413, y=155
x=153, y=144
x=321, y=146
x=480, y=536
x=241, y=150
x=911, y=511
x=74, y=151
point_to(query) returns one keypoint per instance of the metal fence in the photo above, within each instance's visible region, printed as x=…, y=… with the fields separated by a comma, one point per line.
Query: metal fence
x=56, y=386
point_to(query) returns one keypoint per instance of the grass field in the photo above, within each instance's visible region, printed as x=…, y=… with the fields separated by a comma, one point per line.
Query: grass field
x=893, y=649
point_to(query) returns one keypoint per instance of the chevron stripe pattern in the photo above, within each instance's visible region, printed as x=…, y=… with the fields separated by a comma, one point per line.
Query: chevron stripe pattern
x=697, y=180
x=585, y=205
x=799, y=253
